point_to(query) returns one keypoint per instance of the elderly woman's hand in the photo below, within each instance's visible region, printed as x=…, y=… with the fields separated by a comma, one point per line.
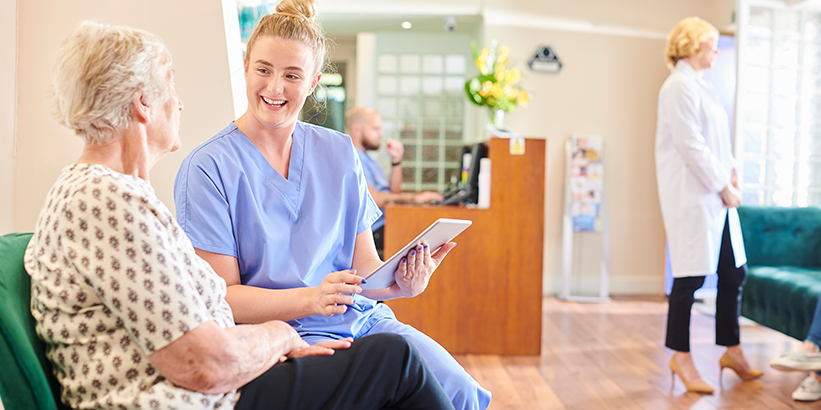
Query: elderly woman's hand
x=320, y=349
x=414, y=271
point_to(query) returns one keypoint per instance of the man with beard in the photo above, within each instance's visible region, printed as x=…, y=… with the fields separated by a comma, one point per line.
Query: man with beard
x=365, y=128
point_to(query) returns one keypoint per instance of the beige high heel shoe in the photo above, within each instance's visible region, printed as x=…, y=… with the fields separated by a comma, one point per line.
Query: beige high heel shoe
x=693, y=387
x=729, y=362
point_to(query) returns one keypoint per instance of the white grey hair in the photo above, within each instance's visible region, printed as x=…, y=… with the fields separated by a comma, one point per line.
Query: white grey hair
x=98, y=70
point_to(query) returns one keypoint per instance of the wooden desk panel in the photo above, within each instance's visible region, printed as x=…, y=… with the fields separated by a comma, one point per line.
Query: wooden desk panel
x=486, y=298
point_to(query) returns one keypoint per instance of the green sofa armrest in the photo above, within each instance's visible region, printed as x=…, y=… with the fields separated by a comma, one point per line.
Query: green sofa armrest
x=26, y=381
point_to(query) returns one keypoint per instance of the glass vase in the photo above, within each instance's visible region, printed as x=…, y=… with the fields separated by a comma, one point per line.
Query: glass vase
x=497, y=118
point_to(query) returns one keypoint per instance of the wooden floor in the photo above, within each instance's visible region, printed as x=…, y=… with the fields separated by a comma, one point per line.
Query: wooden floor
x=612, y=356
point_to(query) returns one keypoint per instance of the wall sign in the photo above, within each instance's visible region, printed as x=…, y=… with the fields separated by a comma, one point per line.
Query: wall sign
x=545, y=60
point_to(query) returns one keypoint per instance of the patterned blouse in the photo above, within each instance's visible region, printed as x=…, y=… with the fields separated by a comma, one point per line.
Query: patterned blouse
x=114, y=279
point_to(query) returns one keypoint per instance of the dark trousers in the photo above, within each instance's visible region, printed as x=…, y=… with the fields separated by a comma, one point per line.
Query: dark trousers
x=379, y=241
x=382, y=371
x=728, y=301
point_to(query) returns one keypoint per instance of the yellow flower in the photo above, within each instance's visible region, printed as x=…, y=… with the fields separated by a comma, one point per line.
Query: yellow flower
x=496, y=86
x=511, y=93
x=496, y=91
x=486, y=86
x=501, y=59
x=481, y=61
x=512, y=76
x=523, y=99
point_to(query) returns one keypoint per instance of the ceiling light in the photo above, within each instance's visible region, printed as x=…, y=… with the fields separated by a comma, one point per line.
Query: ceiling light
x=407, y=25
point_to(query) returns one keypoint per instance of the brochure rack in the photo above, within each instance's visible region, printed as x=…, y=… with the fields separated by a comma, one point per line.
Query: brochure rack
x=585, y=211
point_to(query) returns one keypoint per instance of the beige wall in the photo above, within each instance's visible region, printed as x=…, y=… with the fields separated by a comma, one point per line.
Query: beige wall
x=608, y=86
x=193, y=31
x=8, y=65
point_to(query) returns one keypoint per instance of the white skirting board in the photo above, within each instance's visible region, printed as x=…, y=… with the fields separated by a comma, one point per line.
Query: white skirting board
x=620, y=285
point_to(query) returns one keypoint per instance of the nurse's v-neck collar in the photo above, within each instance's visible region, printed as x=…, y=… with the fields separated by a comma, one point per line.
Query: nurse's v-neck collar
x=289, y=188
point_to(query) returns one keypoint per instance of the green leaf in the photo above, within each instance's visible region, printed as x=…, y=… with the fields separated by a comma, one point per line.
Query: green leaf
x=473, y=92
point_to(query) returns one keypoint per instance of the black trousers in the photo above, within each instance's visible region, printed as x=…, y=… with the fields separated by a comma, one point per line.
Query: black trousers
x=379, y=241
x=382, y=371
x=728, y=300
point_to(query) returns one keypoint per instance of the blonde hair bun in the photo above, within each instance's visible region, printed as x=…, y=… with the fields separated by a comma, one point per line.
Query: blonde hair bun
x=294, y=20
x=298, y=9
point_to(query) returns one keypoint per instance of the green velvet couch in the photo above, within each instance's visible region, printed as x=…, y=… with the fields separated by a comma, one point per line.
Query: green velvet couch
x=784, y=259
x=26, y=381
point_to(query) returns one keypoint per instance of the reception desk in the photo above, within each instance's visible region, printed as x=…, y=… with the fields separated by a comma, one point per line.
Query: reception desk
x=486, y=297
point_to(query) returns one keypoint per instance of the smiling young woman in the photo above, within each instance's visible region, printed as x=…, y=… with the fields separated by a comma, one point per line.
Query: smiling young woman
x=281, y=209
x=280, y=75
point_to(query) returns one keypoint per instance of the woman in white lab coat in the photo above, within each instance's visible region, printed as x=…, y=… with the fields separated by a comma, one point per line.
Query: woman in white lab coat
x=698, y=191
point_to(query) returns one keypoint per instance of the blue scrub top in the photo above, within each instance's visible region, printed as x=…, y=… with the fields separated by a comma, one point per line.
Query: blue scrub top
x=376, y=178
x=285, y=233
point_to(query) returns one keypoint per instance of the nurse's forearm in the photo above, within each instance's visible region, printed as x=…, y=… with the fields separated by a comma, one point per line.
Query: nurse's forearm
x=253, y=305
x=383, y=294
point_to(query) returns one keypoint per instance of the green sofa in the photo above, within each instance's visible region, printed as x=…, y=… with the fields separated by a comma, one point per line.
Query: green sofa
x=26, y=381
x=784, y=259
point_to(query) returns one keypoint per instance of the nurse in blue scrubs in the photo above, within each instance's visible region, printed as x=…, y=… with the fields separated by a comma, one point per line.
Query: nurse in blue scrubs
x=281, y=209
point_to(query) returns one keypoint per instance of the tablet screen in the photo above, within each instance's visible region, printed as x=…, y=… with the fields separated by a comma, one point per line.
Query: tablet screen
x=437, y=234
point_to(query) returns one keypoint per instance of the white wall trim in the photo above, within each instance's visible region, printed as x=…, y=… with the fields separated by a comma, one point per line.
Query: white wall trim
x=236, y=67
x=8, y=116
x=365, y=69
x=406, y=9
x=502, y=17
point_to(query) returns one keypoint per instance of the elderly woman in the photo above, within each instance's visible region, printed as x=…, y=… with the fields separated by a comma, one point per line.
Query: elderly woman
x=131, y=316
x=281, y=209
x=698, y=191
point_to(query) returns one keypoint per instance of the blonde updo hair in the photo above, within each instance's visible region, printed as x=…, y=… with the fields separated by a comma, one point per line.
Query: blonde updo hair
x=98, y=69
x=686, y=38
x=294, y=20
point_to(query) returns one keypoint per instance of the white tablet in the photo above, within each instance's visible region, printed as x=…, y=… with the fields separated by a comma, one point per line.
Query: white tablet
x=437, y=234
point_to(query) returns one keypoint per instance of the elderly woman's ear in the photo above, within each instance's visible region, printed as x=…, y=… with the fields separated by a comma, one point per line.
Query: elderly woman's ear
x=141, y=110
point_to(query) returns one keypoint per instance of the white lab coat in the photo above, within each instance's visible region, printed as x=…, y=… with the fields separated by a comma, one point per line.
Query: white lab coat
x=694, y=162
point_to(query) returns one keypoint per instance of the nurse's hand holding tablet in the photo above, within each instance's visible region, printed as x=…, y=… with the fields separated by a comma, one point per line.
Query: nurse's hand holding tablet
x=405, y=274
x=411, y=279
x=415, y=270
x=408, y=271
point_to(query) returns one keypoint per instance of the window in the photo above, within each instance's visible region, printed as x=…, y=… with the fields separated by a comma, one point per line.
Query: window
x=778, y=121
x=419, y=89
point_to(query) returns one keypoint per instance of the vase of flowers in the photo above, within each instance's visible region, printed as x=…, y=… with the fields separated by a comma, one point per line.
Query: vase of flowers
x=496, y=87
